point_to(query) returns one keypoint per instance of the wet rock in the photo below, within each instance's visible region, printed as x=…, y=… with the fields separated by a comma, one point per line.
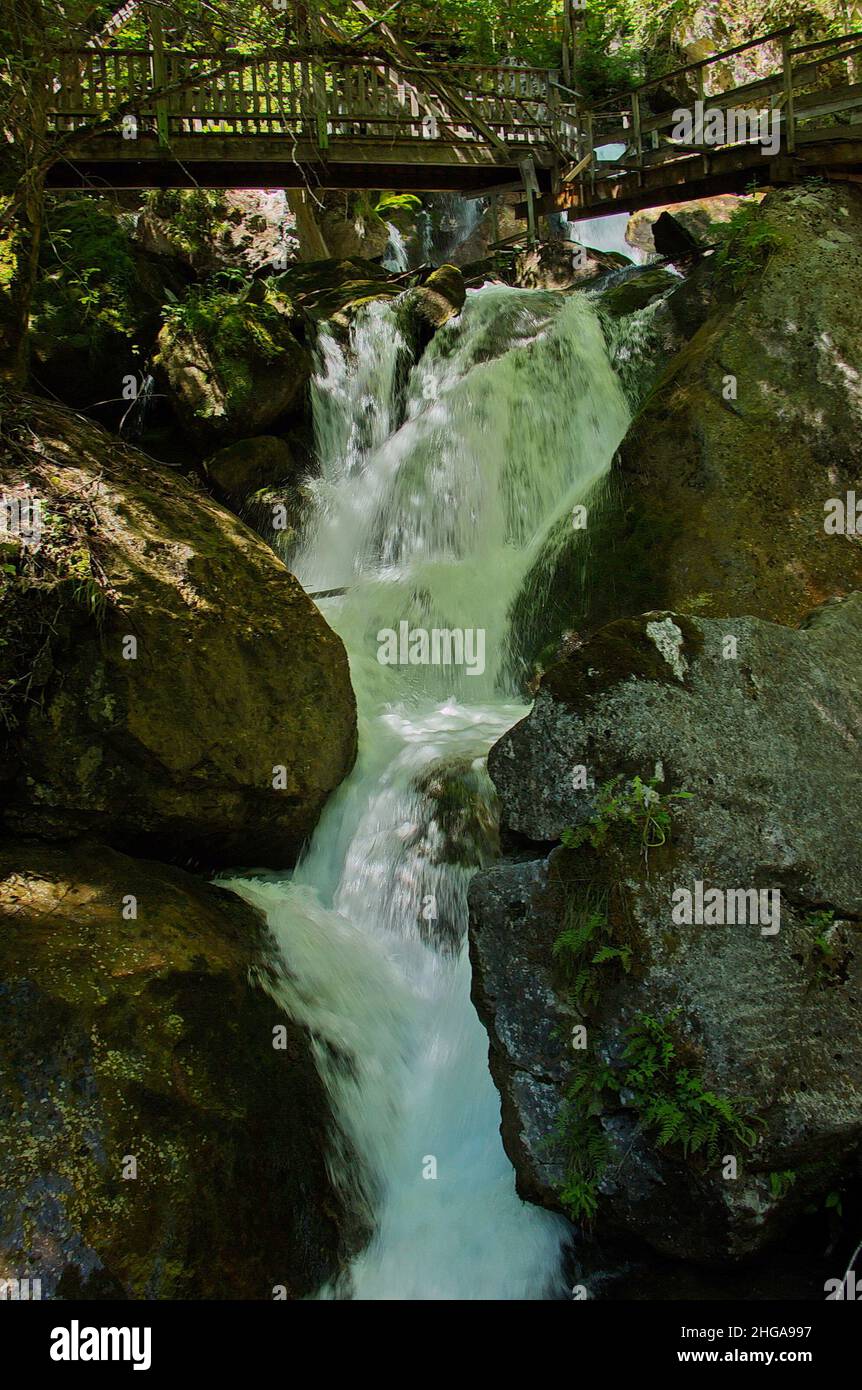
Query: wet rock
x=761, y=735
x=171, y=686
x=426, y=307
x=143, y=1106
x=637, y=291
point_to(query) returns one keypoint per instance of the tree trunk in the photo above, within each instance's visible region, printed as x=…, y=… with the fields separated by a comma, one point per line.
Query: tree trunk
x=19, y=263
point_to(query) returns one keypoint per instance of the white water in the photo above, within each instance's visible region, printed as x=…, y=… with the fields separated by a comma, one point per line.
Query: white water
x=431, y=507
x=395, y=257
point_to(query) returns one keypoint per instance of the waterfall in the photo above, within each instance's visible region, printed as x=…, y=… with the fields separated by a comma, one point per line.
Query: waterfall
x=441, y=482
x=395, y=257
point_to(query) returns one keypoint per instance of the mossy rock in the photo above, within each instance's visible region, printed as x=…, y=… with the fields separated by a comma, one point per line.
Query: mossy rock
x=233, y=364
x=715, y=503
x=328, y=288
x=179, y=666
x=426, y=307
x=249, y=466
x=636, y=292
x=148, y=1039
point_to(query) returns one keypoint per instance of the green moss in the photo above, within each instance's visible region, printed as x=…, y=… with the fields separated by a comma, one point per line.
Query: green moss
x=618, y=652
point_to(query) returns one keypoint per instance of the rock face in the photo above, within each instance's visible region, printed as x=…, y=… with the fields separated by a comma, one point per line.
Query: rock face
x=177, y=690
x=143, y=1106
x=717, y=501
x=759, y=724
x=234, y=365
x=240, y=469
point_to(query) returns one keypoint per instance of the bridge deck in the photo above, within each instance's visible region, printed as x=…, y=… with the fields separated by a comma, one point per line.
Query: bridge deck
x=153, y=118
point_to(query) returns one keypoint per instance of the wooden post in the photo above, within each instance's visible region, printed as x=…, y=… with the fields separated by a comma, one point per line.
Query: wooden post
x=789, y=106
x=636, y=131
x=528, y=174
x=160, y=73
x=495, y=219
x=701, y=96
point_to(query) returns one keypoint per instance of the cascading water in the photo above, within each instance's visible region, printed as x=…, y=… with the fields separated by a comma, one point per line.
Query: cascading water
x=439, y=487
x=395, y=258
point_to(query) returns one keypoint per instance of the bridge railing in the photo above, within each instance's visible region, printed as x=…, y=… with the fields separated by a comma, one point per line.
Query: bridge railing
x=808, y=90
x=295, y=95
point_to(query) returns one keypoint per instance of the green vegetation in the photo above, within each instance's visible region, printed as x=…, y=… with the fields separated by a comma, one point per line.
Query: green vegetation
x=780, y=1183
x=224, y=315
x=675, y=1108
x=87, y=278
x=746, y=244
x=587, y=941
x=634, y=803
x=196, y=218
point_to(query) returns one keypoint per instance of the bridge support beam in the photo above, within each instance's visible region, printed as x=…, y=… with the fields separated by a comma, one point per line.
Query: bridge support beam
x=531, y=188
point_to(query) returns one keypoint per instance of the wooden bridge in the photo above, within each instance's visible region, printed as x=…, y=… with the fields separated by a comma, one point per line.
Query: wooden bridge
x=133, y=118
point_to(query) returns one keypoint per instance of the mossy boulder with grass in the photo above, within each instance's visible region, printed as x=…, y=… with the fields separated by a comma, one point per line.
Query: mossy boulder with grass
x=231, y=360
x=144, y=1108
x=167, y=683
x=660, y=756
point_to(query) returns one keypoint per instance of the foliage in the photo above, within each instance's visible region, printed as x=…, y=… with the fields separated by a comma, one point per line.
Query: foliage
x=672, y=1100
x=195, y=218
x=780, y=1183
x=746, y=244
x=585, y=942
x=389, y=203
x=634, y=803
x=88, y=279
x=221, y=313
x=674, y=1106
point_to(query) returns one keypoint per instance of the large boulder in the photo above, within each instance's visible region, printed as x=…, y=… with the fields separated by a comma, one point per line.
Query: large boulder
x=144, y=1105
x=169, y=684
x=718, y=499
x=232, y=362
x=638, y=1050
